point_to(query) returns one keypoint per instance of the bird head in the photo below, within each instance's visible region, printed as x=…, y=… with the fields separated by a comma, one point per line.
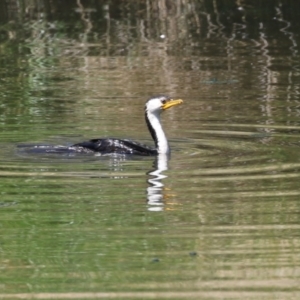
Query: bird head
x=160, y=103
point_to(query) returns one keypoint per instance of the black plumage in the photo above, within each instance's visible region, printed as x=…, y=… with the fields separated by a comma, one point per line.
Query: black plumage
x=112, y=145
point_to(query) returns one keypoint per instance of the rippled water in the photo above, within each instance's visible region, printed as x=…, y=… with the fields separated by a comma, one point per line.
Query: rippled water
x=219, y=220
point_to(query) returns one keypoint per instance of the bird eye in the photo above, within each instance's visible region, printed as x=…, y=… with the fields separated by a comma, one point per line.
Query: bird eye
x=163, y=101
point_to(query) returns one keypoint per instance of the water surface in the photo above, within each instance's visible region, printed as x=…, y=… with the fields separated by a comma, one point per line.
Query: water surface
x=219, y=220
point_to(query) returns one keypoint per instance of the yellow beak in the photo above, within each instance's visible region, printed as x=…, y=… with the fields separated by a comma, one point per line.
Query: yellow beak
x=171, y=102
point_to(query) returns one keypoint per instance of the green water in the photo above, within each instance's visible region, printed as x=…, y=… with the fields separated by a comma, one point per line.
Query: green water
x=220, y=220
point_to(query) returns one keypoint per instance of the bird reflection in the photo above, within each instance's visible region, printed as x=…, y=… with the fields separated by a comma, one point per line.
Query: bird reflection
x=156, y=191
x=156, y=187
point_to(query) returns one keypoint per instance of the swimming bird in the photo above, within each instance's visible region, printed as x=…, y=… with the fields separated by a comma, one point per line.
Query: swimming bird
x=153, y=109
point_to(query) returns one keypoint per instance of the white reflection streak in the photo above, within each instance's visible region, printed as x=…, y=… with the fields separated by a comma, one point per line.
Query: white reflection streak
x=270, y=77
x=294, y=63
x=288, y=33
x=155, y=190
x=211, y=26
x=220, y=25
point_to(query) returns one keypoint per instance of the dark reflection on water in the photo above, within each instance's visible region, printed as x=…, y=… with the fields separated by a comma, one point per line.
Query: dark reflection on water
x=78, y=227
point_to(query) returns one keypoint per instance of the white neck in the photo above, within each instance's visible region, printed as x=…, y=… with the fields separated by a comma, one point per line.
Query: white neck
x=157, y=133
